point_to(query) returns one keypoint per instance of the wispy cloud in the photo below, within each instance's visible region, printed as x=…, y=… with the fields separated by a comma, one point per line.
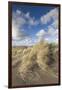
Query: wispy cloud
x=51, y=34
x=17, y=31
x=25, y=42
x=50, y=16
x=18, y=12
x=20, y=19
x=30, y=20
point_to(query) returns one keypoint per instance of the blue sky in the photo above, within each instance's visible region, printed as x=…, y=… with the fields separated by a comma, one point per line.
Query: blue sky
x=32, y=24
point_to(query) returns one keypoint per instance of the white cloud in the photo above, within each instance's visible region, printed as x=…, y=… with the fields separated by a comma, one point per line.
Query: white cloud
x=17, y=23
x=17, y=26
x=51, y=15
x=55, y=24
x=31, y=20
x=25, y=42
x=19, y=19
x=19, y=37
x=18, y=12
x=41, y=33
x=27, y=15
x=51, y=35
x=17, y=34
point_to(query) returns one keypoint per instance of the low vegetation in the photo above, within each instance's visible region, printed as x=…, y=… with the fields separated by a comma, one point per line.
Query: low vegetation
x=36, y=64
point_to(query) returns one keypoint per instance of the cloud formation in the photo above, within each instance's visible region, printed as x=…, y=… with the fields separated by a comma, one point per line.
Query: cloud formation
x=25, y=42
x=51, y=34
x=51, y=15
x=17, y=31
x=20, y=19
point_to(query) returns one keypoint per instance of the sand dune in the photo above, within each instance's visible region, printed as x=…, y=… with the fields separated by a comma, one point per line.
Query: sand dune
x=35, y=65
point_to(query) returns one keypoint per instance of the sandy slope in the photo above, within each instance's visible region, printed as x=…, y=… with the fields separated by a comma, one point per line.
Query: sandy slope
x=29, y=66
x=34, y=77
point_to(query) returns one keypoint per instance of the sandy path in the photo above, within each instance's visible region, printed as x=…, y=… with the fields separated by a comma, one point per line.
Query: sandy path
x=39, y=77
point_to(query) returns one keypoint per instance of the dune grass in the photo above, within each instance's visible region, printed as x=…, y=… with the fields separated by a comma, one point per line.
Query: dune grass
x=32, y=63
